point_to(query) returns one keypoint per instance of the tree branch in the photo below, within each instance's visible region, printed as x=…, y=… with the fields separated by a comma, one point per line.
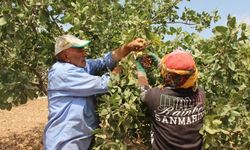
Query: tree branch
x=168, y=9
x=180, y=22
x=54, y=20
x=40, y=84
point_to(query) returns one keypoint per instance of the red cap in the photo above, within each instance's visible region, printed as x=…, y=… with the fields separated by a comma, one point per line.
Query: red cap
x=179, y=60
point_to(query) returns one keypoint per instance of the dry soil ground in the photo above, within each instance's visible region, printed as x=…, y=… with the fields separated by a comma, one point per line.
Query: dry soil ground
x=22, y=127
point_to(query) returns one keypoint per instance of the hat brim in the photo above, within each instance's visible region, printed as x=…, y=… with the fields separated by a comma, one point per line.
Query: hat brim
x=81, y=44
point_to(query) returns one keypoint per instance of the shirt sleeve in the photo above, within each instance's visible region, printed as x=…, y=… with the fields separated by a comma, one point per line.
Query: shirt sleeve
x=75, y=82
x=101, y=64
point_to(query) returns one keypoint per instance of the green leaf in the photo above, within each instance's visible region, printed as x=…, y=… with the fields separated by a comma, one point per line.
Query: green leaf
x=2, y=21
x=235, y=113
x=127, y=106
x=224, y=131
x=67, y=18
x=172, y=30
x=210, y=130
x=220, y=29
x=246, y=94
x=21, y=15
x=206, y=146
x=216, y=122
x=231, y=22
x=85, y=8
x=101, y=136
x=127, y=93
x=73, y=4
x=231, y=65
x=243, y=26
x=104, y=112
x=148, y=34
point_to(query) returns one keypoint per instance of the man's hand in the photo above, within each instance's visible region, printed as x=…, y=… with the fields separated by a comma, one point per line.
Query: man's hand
x=117, y=70
x=138, y=44
x=148, y=60
x=155, y=57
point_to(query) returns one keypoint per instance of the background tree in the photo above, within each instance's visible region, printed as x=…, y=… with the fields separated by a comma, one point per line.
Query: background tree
x=27, y=35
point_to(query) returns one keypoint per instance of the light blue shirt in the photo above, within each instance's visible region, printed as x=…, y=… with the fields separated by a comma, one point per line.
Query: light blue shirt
x=71, y=94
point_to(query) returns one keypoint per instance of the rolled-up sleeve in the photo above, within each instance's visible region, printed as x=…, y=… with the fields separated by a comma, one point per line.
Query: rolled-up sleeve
x=85, y=84
x=78, y=83
x=101, y=64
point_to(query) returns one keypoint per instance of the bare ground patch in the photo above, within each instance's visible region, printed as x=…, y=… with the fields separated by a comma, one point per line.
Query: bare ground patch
x=22, y=127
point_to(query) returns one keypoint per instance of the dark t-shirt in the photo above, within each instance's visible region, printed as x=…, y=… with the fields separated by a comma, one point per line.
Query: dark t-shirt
x=177, y=116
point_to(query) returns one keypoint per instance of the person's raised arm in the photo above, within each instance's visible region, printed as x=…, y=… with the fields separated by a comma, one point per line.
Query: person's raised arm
x=135, y=45
x=110, y=60
x=141, y=74
x=141, y=64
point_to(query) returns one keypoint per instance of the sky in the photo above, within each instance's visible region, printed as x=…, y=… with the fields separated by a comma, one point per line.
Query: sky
x=238, y=8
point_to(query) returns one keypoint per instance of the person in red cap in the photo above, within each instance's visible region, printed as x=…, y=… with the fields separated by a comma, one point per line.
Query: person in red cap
x=177, y=109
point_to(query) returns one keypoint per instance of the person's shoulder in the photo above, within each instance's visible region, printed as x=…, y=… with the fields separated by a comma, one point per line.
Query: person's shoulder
x=56, y=67
x=155, y=90
x=60, y=68
x=151, y=89
x=57, y=71
x=154, y=93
